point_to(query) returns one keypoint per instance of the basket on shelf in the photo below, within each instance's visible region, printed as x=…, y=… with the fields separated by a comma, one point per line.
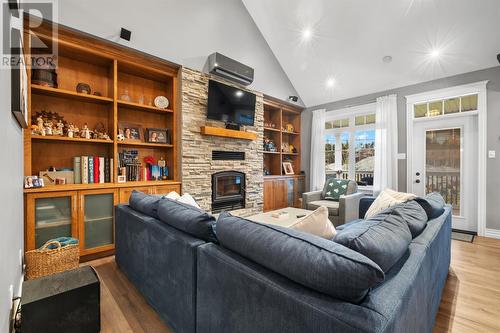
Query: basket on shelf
x=49, y=260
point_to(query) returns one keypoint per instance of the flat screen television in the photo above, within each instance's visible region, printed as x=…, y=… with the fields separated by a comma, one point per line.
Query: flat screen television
x=230, y=105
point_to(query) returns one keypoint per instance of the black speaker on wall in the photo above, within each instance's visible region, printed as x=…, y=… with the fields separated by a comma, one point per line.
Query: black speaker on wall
x=125, y=34
x=498, y=57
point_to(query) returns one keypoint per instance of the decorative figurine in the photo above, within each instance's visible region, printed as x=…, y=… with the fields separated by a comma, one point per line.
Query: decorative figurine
x=71, y=131
x=163, y=168
x=59, y=129
x=125, y=96
x=83, y=88
x=85, y=132
x=48, y=127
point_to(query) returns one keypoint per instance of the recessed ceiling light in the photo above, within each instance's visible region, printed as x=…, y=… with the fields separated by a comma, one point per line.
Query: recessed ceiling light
x=307, y=33
x=435, y=53
x=330, y=82
x=387, y=59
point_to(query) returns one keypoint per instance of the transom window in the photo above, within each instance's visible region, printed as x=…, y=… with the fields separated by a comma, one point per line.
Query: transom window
x=446, y=106
x=350, y=145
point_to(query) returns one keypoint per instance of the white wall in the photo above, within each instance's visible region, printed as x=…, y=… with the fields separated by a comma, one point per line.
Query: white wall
x=184, y=32
x=11, y=201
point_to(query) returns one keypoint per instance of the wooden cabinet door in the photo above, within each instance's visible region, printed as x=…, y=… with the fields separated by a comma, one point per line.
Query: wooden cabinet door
x=127, y=191
x=280, y=193
x=166, y=189
x=48, y=216
x=268, y=195
x=96, y=220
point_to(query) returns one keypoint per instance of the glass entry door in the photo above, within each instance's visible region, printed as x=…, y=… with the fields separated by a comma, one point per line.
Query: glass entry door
x=443, y=161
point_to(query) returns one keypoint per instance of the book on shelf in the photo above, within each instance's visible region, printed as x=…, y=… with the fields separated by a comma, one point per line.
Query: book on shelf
x=85, y=169
x=77, y=170
x=91, y=169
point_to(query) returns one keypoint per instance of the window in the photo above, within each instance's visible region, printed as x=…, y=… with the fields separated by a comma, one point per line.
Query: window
x=447, y=106
x=350, y=145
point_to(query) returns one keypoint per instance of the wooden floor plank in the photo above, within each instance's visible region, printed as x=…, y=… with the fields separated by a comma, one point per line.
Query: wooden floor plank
x=470, y=301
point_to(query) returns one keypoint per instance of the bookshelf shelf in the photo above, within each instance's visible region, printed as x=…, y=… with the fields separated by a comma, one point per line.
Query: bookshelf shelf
x=113, y=71
x=49, y=91
x=142, y=107
x=67, y=139
x=145, y=144
x=271, y=129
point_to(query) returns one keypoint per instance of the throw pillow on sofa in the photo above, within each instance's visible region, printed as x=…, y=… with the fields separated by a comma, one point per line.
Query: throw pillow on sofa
x=144, y=203
x=437, y=203
x=185, y=198
x=187, y=218
x=311, y=261
x=317, y=223
x=383, y=238
x=386, y=199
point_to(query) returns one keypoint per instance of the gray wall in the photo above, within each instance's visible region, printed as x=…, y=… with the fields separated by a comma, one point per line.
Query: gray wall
x=493, y=165
x=184, y=32
x=11, y=199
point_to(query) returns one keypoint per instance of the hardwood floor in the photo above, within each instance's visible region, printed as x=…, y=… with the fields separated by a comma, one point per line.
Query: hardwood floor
x=470, y=302
x=471, y=298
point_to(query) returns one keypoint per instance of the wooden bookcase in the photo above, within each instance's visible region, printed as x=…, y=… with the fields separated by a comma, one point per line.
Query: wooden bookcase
x=111, y=70
x=281, y=190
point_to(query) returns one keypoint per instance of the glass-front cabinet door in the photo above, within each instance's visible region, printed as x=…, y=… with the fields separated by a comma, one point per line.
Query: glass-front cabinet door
x=96, y=222
x=50, y=215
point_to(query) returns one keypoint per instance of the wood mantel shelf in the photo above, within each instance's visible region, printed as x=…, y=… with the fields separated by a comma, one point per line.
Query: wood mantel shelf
x=227, y=133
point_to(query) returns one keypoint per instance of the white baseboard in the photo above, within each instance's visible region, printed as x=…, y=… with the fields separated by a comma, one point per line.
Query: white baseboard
x=492, y=233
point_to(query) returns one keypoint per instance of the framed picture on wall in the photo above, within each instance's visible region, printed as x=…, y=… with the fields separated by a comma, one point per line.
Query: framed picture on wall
x=19, y=81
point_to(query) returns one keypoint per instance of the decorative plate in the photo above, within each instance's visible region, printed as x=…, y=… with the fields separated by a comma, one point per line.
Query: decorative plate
x=161, y=102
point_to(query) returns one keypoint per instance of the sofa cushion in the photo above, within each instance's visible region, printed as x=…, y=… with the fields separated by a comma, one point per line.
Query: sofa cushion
x=437, y=203
x=383, y=238
x=413, y=214
x=334, y=188
x=311, y=261
x=316, y=223
x=333, y=206
x=187, y=218
x=386, y=199
x=144, y=203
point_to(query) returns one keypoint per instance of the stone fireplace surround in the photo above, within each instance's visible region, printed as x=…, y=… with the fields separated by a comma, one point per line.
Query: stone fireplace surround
x=197, y=166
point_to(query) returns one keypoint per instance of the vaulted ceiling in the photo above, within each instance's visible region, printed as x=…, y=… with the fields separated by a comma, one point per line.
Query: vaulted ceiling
x=334, y=49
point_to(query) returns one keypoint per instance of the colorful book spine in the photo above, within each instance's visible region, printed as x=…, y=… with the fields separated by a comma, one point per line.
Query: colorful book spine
x=107, y=174
x=111, y=170
x=85, y=169
x=101, y=170
x=77, y=170
x=91, y=169
x=96, y=169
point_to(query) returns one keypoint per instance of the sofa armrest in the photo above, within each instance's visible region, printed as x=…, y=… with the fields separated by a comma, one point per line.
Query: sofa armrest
x=349, y=207
x=364, y=205
x=308, y=197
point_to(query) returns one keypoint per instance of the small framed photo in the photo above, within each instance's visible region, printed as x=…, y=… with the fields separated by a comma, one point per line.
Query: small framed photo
x=288, y=168
x=33, y=182
x=122, y=179
x=157, y=135
x=129, y=132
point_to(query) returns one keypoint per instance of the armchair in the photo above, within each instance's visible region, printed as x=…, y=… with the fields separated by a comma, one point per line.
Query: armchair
x=339, y=212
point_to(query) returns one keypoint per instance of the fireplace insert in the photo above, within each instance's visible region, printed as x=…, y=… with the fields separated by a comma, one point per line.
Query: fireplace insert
x=228, y=191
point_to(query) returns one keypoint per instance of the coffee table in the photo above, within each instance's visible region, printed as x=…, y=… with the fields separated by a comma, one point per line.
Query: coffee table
x=283, y=222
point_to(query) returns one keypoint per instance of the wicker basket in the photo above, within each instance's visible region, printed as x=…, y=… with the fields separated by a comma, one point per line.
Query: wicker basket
x=44, y=261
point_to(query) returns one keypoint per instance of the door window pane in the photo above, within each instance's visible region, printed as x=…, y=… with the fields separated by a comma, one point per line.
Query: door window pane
x=345, y=155
x=469, y=103
x=435, y=109
x=443, y=165
x=364, y=153
x=52, y=219
x=98, y=220
x=370, y=119
x=452, y=105
x=359, y=120
x=420, y=110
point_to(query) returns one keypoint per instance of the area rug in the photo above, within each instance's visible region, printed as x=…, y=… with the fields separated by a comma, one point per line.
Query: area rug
x=461, y=236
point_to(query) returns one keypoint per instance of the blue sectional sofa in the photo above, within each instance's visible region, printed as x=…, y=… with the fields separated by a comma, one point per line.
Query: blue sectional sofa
x=260, y=278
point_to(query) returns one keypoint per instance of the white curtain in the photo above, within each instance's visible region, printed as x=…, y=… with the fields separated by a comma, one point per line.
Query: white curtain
x=317, y=178
x=386, y=144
